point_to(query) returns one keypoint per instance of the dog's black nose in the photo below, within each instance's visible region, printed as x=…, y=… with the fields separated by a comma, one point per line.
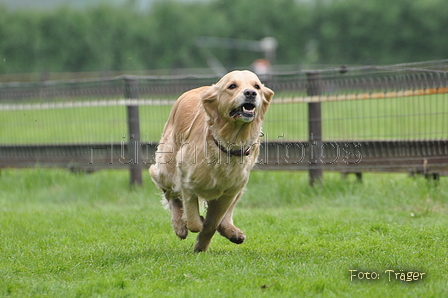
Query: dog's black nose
x=250, y=93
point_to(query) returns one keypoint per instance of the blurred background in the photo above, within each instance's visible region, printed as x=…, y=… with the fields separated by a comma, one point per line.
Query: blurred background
x=79, y=78
x=44, y=37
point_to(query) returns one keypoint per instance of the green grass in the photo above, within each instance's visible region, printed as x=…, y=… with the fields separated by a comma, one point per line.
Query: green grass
x=419, y=117
x=78, y=235
x=78, y=125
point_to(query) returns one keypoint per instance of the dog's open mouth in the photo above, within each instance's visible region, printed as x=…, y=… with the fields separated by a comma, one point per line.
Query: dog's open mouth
x=245, y=112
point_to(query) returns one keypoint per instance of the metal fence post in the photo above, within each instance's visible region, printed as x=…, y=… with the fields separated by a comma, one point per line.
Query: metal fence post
x=314, y=127
x=134, y=156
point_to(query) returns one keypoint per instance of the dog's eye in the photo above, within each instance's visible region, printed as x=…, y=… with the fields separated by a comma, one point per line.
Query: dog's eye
x=257, y=86
x=231, y=86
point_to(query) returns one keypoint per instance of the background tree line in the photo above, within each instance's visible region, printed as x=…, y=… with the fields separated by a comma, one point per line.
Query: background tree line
x=120, y=38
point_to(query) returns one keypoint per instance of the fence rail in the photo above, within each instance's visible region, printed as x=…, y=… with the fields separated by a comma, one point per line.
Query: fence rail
x=419, y=145
x=414, y=157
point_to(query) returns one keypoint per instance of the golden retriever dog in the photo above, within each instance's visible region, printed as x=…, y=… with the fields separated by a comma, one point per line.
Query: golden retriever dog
x=208, y=147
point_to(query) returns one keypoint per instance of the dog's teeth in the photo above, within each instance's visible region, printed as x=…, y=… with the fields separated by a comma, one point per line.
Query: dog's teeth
x=247, y=111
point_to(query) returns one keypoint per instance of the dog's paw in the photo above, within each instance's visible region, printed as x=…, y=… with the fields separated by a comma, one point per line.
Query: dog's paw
x=238, y=239
x=181, y=233
x=180, y=229
x=232, y=233
x=202, y=242
x=198, y=249
x=195, y=226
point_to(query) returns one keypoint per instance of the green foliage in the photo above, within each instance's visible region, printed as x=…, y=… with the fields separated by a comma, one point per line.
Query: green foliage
x=109, y=37
x=78, y=235
x=382, y=31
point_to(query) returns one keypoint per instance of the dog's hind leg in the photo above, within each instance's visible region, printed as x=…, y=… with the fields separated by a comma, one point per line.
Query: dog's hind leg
x=227, y=229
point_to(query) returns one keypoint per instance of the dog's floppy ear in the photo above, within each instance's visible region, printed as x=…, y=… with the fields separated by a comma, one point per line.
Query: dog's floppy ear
x=210, y=94
x=209, y=101
x=267, y=93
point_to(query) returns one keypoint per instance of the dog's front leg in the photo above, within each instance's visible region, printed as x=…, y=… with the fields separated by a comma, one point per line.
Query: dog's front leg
x=178, y=223
x=227, y=229
x=191, y=211
x=215, y=213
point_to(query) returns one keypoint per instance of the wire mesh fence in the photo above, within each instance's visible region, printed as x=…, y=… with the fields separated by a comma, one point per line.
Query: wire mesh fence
x=391, y=118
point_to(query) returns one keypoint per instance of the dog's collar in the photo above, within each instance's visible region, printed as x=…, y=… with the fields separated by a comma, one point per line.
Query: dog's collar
x=229, y=153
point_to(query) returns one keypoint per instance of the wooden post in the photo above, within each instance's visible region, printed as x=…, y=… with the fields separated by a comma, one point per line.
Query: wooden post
x=43, y=88
x=314, y=128
x=134, y=156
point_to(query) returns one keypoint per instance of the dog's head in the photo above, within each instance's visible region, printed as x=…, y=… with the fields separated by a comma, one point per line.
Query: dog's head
x=238, y=96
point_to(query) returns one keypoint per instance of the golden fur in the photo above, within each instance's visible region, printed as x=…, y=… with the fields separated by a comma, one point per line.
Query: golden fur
x=193, y=160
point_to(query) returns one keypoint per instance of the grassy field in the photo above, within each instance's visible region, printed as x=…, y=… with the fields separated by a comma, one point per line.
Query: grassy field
x=419, y=117
x=78, y=235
